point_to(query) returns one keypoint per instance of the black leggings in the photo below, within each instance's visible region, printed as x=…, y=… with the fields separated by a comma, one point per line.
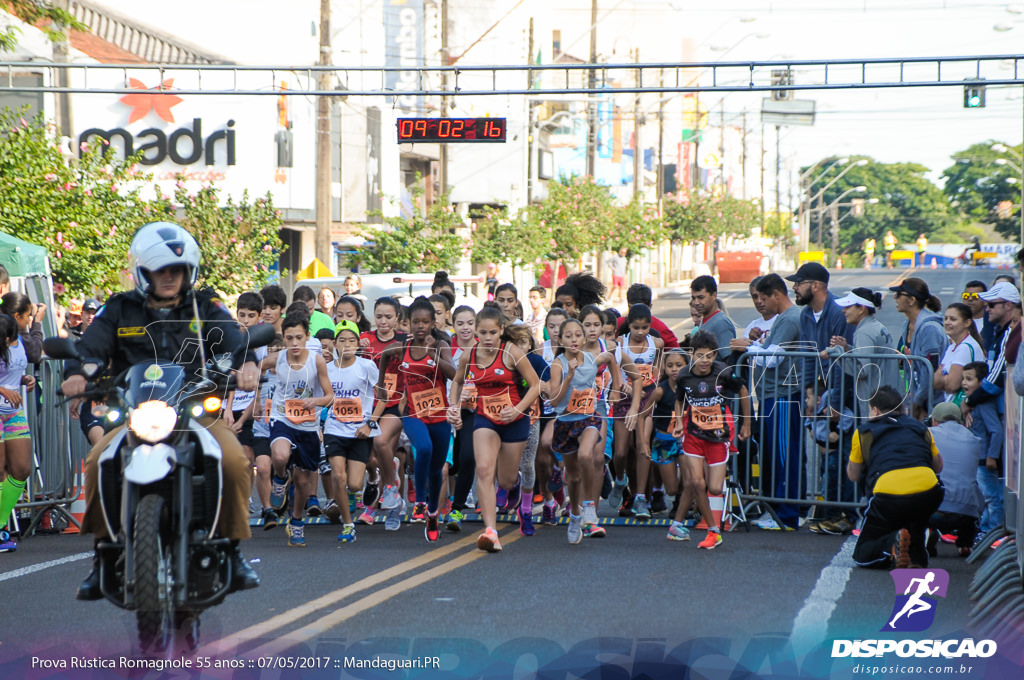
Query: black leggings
x=465, y=468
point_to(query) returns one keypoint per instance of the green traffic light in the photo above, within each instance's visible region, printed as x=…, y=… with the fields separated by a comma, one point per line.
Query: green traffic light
x=973, y=101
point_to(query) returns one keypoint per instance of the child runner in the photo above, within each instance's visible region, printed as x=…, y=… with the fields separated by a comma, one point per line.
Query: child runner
x=349, y=427
x=549, y=474
x=302, y=388
x=16, y=449
x=706, y=427
x=465, y=465
x=350, y=309
x=386, y=312
x=240, y=416
x=578, y=291
x=261, y=439
x=577, y=427
x=442, y=312
x=665, y=450
x=274, y=302
x=425, y=363
x=645, y=352
x=502, y=424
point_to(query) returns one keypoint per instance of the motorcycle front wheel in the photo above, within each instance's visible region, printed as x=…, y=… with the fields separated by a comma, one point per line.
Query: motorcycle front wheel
x=154, y=599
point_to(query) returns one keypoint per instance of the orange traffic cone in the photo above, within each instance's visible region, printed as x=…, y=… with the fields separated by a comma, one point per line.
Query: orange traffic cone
x=934, y=264
x=78, y=505
x=717, y=503
x=839, y=263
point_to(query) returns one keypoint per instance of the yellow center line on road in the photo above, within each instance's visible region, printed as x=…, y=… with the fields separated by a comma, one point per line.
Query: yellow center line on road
x=320, y=626
x=229, y=643
x=899, y=279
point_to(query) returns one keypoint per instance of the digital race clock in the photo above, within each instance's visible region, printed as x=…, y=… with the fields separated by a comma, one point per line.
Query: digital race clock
x=451, y=130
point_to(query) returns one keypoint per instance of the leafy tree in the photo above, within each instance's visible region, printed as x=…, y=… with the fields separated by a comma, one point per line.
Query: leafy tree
x=634, y=226
x=424, y=242
x=908, y=204
x=572, y=219
x=49, y=19
x=977, y=184
x=239, y=240
x=497, y=237
x=83, y=210
x=700, y=216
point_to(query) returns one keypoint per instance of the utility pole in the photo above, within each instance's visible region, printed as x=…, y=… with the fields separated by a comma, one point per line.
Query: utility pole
x=323, y=143
x=591, y=103
x=61, y=55
x=531, y=134
x=778, y=182
x=743, y=156
x=761, y=170
x=442, y=154
x=637, y=147
x=661, y=142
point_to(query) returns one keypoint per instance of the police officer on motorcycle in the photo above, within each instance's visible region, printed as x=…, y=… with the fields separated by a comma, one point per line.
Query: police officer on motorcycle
x=157, y=321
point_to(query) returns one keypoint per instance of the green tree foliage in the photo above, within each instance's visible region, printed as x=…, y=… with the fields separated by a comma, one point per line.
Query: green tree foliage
x=51, y=21
x=634, y=226
x=85, y=210
x=699, y=216
x=425, y=241
x=239, y=241
x=908, y=204
x=976, y=184
x=497, y=237
x=573, y=218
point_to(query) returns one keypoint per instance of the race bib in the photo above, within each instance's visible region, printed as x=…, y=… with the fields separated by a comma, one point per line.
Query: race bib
x=647, y=371
x=391, y=385
x=266, y=409
x=349, y=410
x=493, y=405
x=581, y=403
x=535, y=412
x=469, y=397
x=427, y=402
x=707, y=417
x=295, y=412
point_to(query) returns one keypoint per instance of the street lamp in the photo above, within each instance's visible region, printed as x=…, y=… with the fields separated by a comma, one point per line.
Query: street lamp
x=818, y=196
x=833, y=212
x=805, y=235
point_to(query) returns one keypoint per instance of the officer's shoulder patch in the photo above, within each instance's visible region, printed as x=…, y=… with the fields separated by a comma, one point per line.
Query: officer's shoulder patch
x=130, y=331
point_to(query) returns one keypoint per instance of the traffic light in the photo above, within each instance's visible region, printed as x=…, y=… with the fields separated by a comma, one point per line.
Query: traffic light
x=974, y=96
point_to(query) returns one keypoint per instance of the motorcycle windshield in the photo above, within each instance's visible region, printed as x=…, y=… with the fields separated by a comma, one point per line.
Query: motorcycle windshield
x=154, y=382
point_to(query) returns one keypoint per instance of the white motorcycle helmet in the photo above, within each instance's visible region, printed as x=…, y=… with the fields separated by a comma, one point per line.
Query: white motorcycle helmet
x=162, y=244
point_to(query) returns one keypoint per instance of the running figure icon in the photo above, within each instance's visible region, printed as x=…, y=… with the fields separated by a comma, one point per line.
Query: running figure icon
x=915, y=604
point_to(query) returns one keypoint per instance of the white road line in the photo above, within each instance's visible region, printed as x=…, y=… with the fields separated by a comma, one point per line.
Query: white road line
x=25, y=571
x=811, y=624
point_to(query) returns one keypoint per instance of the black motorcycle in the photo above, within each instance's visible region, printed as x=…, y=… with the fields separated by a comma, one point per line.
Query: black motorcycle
x=160, y=485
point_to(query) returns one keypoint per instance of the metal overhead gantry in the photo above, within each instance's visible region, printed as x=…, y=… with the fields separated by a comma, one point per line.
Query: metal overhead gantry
x=537, y=80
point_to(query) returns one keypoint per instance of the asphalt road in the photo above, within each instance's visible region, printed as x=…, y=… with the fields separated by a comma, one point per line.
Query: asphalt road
x=763, y=604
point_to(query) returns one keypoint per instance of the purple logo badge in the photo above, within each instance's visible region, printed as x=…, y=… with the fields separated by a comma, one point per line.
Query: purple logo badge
x=916, y=590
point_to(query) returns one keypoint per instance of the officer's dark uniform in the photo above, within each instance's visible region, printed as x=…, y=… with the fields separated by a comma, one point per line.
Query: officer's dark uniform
x=125, y=332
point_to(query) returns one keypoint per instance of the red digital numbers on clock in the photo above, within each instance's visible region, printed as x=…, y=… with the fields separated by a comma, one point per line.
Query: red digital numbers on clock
x=451, y=130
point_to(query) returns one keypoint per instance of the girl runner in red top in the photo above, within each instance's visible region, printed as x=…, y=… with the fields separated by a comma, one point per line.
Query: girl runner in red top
x=464, y=320
x=385, y=312
x=424, y=364
x=502, y=424
x=707, y=428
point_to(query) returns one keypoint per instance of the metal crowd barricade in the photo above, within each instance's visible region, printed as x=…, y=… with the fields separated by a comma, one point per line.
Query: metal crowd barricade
x=803, y=428
x=59, y=450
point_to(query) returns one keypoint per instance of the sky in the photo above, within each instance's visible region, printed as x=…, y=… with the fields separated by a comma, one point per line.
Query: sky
x=922, y=125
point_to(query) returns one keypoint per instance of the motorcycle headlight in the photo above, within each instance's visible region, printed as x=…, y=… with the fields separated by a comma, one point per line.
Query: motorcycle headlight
x=152, y=421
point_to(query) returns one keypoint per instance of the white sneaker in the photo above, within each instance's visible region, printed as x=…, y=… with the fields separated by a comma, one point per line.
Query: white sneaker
x=390, y=498
x=767, y=523
x=575, y=530
x=590, y=514
x=393, y=520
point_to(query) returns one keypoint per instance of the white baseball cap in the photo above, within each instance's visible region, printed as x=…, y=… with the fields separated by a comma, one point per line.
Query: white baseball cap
x=1001, y=291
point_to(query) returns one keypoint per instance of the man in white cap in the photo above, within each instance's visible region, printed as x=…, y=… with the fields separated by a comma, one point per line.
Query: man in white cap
x=1004, y=313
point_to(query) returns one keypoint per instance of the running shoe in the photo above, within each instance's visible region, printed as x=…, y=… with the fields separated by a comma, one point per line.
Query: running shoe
x=615, y=495
x=366, y=517
x=393, y=520
x=815, y=526
x=419, y=513
x=711, y=541
x=455, y=518
x=7, y=543
x=769, y=524
x=515, y=494
x=333, y=511
x=606, y=485
x=947, y=538
x=390, y=498
x=658, y=502
x=370, y=494
x=594, y=531
x=557, y=481
x=526, y=523
x=348, y=534
x=501, y=499
x=296, y=534
x=433, y=530
x=447, y=507
x=269, y=519
x=559, y=496
x=837, y=527
x=678, y=532
x=411, y=493
x=547, y=515
x=278, y=492
x=358, y=496
x=575, y=529
x=640, y=509
x=488, y=541
x=901, y=550
x=626, y=509
x=313, y=507
x=589, y=513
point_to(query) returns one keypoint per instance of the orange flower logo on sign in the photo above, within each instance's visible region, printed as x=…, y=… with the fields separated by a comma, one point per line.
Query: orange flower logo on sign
x=147, y=100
